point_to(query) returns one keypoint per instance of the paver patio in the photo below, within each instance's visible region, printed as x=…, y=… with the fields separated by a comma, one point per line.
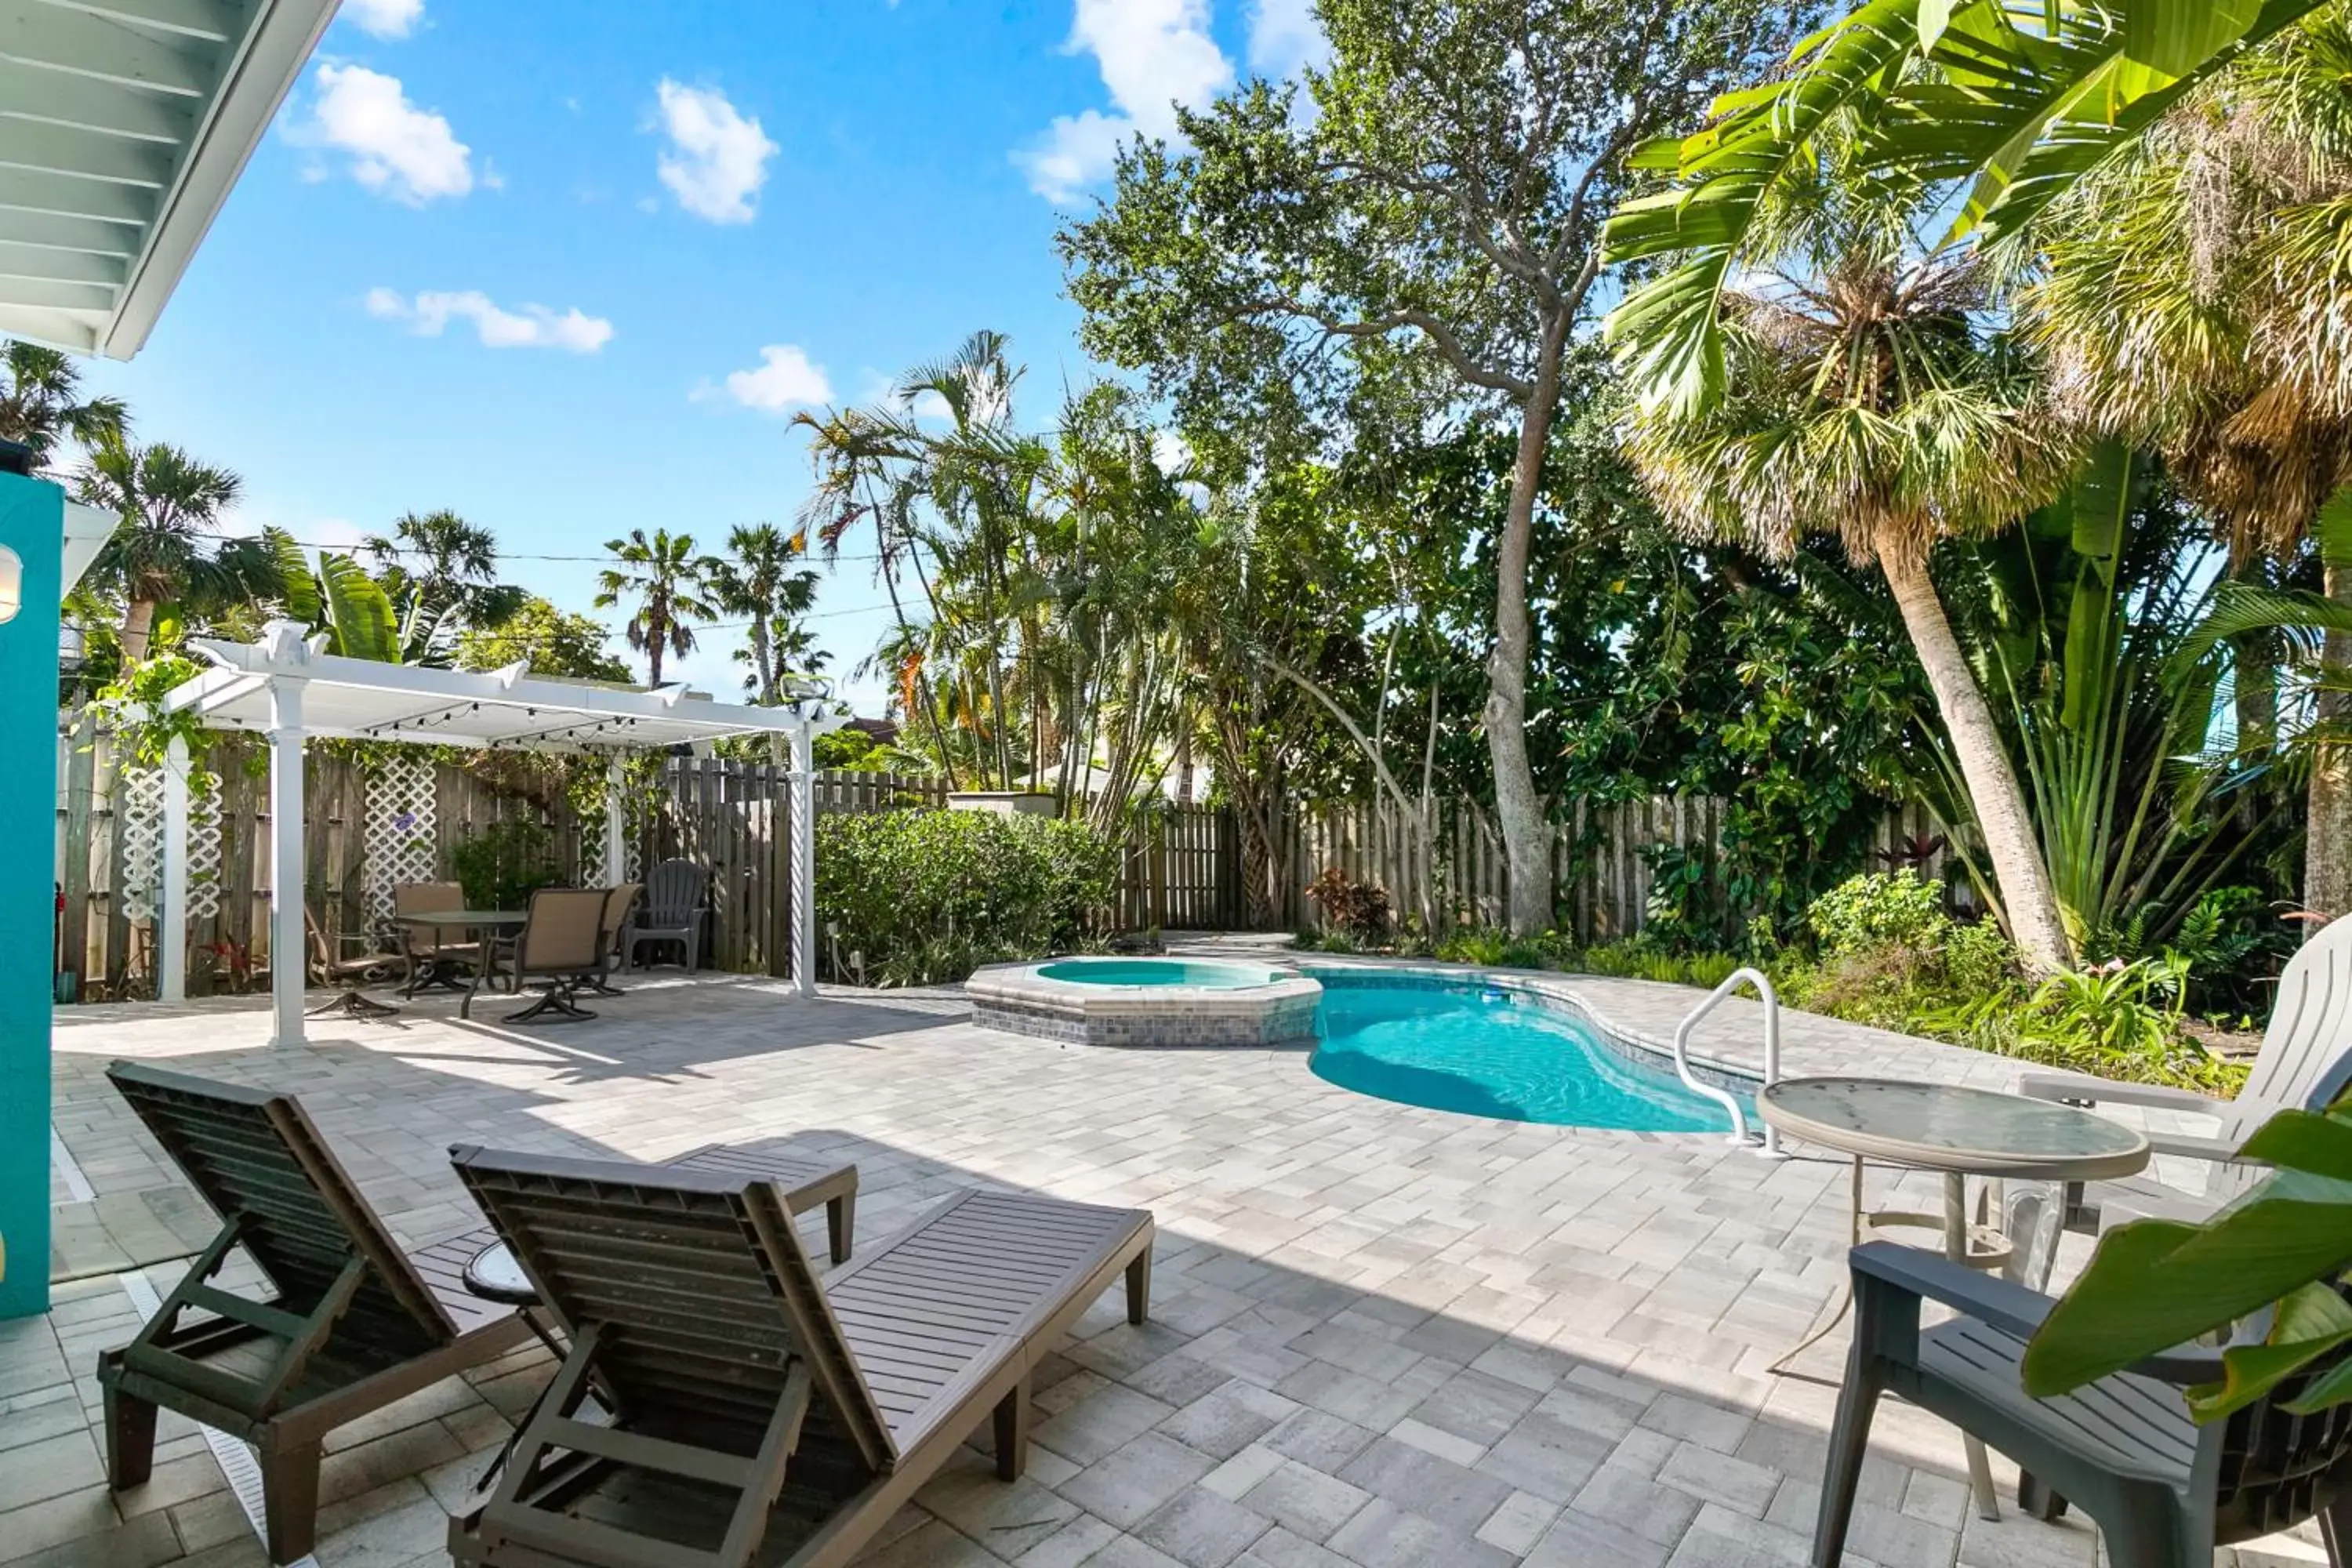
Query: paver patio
x=1382, y=1337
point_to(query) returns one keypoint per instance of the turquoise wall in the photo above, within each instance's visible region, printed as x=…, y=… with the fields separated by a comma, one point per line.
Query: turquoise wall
x=32, y=523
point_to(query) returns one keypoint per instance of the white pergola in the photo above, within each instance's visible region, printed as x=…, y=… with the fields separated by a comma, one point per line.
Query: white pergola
x=288, y=687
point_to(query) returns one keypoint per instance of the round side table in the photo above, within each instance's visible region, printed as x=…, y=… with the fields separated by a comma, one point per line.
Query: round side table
x=1960, y=1133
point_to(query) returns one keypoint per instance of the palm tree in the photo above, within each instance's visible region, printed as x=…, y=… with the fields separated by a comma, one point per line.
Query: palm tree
x=666, y=578
x=449, y=566
x=168, y=502
x=1862, y=400
x=2193, y=299
x=41, y=405
x=760, y=577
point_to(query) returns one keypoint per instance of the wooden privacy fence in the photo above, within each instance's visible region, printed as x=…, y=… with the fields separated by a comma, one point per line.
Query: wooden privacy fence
x=371, y=827
x=1602, y=875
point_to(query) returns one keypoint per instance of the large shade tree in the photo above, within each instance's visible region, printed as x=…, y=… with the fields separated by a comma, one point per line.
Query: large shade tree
x=662, y=579
x=1441, y=189
x=1862, y=401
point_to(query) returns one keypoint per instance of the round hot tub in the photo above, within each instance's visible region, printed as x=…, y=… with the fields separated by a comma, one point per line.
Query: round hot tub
x=1148, y=1002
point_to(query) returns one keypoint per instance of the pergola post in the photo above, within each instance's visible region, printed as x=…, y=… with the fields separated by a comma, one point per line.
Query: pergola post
x=804, y=853
x=289, y=944
x=171, y=905
x=616, y=828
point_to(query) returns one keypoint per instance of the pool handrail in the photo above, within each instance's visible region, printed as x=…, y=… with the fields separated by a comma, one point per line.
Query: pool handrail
x=1770, y=1144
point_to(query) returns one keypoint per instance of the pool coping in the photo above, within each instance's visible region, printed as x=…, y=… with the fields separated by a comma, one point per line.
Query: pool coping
x=1019, y=999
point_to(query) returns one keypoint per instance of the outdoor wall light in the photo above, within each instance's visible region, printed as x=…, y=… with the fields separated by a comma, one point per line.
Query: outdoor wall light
x=12, y=583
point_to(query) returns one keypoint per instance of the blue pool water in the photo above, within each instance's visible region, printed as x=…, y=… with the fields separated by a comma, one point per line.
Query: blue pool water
x=1485, y=1052
x=1157, y=972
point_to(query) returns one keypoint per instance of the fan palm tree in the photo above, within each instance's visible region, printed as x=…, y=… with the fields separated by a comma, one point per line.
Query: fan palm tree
x=762, y=576
x=1862, y=401
x=2195, y=299
x=666, y=579
x=41, y=404
x=2014, y=102
x=447, y=566
x=169, y=503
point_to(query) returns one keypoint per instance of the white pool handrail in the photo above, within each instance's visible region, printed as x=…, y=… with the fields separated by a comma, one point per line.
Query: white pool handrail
x=1771, y=1145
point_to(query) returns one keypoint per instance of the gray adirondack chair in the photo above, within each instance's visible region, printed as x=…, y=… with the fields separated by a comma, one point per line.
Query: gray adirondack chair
x=671, y=910
x=2165, y=1491
x=2305, y=1061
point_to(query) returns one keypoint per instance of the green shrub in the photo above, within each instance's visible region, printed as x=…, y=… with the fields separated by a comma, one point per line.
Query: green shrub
x=1878, y=910
x=501, y=867
x=929, y=896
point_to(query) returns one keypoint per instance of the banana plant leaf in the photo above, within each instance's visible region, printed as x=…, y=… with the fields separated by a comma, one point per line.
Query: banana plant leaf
x=2280, y=1248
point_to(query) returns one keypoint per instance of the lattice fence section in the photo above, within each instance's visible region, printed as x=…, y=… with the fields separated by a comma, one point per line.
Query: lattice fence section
x=402, y=845
x=139, y=824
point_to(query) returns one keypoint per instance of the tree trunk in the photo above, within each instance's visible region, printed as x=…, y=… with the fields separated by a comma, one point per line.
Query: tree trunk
x=1993, y=790
x=1518, y=810
x=138, y=622
x=2328, y=838
x=764, y=661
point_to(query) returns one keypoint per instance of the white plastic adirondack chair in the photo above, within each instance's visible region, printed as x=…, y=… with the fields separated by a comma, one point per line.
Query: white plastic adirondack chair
x=2306, y=1062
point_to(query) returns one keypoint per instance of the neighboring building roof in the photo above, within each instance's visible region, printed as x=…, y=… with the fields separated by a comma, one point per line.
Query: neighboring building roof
x=123, y=123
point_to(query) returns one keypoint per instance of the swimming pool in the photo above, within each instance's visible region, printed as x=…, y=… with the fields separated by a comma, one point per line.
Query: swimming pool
x=1485, y=1051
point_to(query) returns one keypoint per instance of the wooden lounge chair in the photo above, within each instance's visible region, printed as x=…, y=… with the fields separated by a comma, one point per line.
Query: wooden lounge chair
x=755, y=1413
x=352, y=1326
x=2305, y=1059
x=2164, y=1490
x=355, y=1324
x=561, y=946
x=672, y=911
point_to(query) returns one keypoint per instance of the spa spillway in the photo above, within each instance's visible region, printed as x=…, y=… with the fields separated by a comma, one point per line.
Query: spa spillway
x=1148, y=1002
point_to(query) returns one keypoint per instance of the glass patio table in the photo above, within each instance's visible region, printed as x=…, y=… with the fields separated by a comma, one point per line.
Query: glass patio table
x=488, y=925
x=1959, y=1132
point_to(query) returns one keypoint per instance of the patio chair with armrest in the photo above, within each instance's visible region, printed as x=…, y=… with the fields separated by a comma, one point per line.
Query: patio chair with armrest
x=618, y=903
x=349, y=973
x=671, y=911
x=561, y=946
x=2305, y=1057
x=433, y=952
x=755, y=1413
x=2165, y=1491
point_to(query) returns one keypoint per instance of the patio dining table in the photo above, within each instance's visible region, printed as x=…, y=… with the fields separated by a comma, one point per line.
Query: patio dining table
x=487, y=925
x=1959, y=1132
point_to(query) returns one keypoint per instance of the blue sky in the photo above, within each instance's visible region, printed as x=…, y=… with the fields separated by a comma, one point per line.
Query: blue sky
x=569, y=269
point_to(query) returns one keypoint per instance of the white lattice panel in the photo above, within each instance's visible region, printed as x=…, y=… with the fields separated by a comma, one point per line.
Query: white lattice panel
x=399, y=831
x=139, y=820
x=139, y=828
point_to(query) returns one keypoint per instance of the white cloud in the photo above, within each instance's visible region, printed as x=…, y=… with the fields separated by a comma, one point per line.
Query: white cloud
x=1153, y=55
x=785, y=379
x=386, y=18
x=716, y=159
x=1285, y=36
x=532, y=327
x=396, y=148
x=930, y=405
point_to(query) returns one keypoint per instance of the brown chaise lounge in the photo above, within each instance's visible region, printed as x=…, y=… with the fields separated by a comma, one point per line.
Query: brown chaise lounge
x=757, y=1415
x=354, y=1322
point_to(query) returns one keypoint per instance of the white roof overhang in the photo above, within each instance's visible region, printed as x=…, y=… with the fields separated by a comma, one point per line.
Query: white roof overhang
x=123, y=123
x=364, y=700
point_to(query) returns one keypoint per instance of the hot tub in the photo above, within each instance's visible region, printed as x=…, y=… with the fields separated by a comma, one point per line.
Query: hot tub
x=1148, y=1002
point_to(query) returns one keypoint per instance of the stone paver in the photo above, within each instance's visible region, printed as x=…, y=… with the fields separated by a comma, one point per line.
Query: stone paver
x=1382, y=1337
